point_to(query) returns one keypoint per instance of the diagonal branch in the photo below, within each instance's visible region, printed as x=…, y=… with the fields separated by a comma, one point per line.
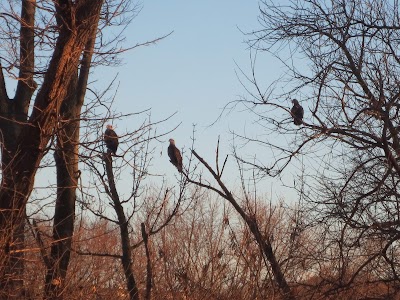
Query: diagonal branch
x=251, y=222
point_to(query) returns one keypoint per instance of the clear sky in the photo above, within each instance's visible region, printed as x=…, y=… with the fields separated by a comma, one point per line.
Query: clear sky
x=191, y=72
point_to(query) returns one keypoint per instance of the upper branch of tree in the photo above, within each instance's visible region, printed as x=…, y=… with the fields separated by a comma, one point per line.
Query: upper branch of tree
x=26, y=85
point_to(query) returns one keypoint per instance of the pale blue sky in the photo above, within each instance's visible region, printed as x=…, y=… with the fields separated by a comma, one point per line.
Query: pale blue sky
x=191, y=71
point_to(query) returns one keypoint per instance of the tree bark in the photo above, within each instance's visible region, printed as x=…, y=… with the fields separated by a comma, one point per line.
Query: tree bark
x=66, y=159
x=13, y=114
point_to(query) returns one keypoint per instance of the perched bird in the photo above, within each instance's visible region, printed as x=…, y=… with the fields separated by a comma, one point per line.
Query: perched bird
x=297, y=112
x=111, y=139
x=175, y=155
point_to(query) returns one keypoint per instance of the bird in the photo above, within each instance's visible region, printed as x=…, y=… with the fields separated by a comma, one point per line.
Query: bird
x=111, y=139
x=175, y=155
x=297, y=112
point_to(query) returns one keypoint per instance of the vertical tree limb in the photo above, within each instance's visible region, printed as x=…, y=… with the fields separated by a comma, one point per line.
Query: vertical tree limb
x=26, y=85
x=126, y=258
x=149, y=276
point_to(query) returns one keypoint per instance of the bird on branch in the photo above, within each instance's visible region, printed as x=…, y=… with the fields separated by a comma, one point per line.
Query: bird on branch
x=175, y=155
x=111, y=139
x=297, y=112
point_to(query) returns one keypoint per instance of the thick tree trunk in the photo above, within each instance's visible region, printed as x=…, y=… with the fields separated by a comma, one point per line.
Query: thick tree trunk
x=66, y=158
x=14, y=113
x=126, y=258
x=24, y=142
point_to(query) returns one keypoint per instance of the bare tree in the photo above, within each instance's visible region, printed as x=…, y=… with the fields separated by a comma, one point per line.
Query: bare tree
x=25, y=134
x=249, y=216
x=133, y=208
x=348, y=139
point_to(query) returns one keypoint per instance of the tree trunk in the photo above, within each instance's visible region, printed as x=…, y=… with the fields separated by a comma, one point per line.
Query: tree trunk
x=149, y=271
x=126, y=258
x=14, y=113
x=66, y=159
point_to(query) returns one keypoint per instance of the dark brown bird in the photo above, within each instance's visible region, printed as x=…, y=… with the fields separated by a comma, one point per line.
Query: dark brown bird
x=175, y=156
x=297, y=112
x=111, y=140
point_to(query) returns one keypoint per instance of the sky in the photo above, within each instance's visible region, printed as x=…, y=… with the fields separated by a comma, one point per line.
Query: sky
x=191, y=74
